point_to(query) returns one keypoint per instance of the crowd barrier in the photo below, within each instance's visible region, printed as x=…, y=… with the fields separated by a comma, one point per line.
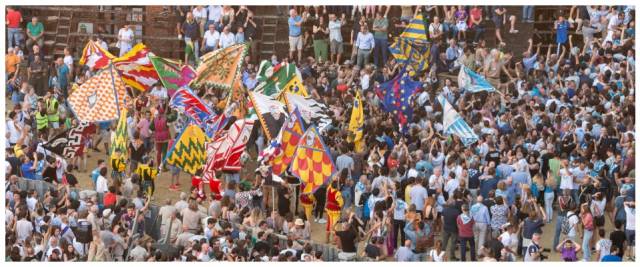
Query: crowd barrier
x=152, y=221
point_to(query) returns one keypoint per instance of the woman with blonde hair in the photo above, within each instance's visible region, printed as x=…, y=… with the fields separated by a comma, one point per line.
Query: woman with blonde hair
x=537, y=188
x=437, y=254
x=429, y=212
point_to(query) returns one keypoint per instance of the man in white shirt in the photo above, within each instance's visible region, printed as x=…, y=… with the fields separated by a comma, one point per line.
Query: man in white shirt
x=24, y=228
x=335, y=36
x=435, y=29
x=158, y=91
x=227, y=38
x=214, y=16
x=102, y=185
x=13, y=128
x=211, y=39
x=125, y=39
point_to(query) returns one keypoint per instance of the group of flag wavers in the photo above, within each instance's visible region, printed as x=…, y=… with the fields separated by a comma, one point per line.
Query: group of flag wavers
x=292, y=123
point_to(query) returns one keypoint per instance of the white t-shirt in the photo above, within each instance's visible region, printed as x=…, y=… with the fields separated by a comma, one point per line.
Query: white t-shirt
x=14, y=133
x=227, y=40
x=24, y=229
x=160, y=92
x=211, y=39
x=126, y=35
x=604, y=246
x=509, y=240
x=566, y=180
x=435, y=182
x=102, y=185
x=199, y=14
x=573, y=221
x=437, y=257
x=631, y=218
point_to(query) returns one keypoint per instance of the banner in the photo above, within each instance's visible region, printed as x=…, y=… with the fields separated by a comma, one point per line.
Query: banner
x=221, y=67
x=136, y=68
x=185, y=101
x=95, y=57
x=188, y=152
x=269, y=111
x=454, y=124
x=356, y=123
x=69, y=142
x=312, y=162
x=470, y=81
x=273, y=79
x=396, y=97
x=100, y=98
x=285, y=145
x=311, y=110
x=172, y=74
x=120, y=139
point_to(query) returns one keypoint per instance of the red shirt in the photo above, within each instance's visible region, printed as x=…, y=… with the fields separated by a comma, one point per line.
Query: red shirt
x=109, y=199
x=476, y=14
x=587, y=221
x=465, y=230
x=13, y=18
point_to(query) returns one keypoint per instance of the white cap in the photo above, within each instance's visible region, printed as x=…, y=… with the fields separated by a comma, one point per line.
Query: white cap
x=412, y=173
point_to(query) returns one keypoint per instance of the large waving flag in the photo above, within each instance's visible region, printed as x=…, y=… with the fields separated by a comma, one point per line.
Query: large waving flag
x=172, y=74
x=221, y=67
x=473, y=82
x=273, y=79
x=285, y=145
x=356, y=124
x=223, y=153
x=188, y=152
x=69, y=142
x=119, y=140
x=396, y=95
x=312, y=162
x=454, y=124
x=411, y=53
x=294, y=86
x=136, y=69
x=416, y=30
x=100, y=98
x=311, y=110
x=95, y=57
x=191, y=105
x=237, y=100
x=269, y=111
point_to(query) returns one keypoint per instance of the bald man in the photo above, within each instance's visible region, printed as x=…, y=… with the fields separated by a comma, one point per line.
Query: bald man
x=480, y=214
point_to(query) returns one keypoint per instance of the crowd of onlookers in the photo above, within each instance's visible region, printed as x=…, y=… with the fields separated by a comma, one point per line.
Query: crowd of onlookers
x=556, y=146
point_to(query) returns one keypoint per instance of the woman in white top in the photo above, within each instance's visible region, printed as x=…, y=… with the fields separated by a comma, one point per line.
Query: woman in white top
x=566, y=179
x=125, y=39
x=437, y=254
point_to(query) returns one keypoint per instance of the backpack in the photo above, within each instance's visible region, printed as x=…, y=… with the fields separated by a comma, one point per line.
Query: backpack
x=566, y=226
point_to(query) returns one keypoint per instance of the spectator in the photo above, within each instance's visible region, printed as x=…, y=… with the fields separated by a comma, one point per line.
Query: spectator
x=380, y=26
x=210, y=40
x=335, y=36
x=125, y=39
x=364, y=44
x=295, y=33
x=13, y=21
x=35, y=33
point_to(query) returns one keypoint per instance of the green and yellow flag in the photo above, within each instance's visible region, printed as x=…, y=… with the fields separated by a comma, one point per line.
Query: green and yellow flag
x=119, y=140
x=188, y=152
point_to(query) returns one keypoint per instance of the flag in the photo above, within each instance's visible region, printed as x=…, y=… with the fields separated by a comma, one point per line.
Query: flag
x=312, y=162
x=119, y=140
x=454, y=124
x=224, y=153
x=356, y=124
x=273, y=79
x=172, y=74
x=311, y=110
x=396, y=95
x=285, y=145
x=236, y=101
x=416, y=30
x=136, y=68
x=69, y=142
x=100, y=98
x=473, y=82
x=188, y=151
x=221, y=67
x=269, y=111
x=294, y=86
x=95, y=57
x=414, y=54
x=191, y=105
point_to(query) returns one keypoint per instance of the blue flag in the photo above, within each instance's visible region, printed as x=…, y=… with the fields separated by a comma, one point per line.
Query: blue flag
x=454, y=124
x=473, y=82
x=396, y=95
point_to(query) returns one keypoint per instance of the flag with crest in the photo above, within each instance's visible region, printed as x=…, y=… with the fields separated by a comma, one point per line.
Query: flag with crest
x=269, y=111
x=286, y=143
x=396, y=97
x=312, y=162
x=221, y=67
x=188, y=151
x=95, y=57
x=172, y=74
x=356, y=123
x=100, y=98
x=272, y=79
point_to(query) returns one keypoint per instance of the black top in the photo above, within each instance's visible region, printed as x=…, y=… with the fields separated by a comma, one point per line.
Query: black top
x=617, y=239
x=530, y=227
x=137, y=153
x=320, y=35
x=191, y=30
x=449, y=215
x=347, y=240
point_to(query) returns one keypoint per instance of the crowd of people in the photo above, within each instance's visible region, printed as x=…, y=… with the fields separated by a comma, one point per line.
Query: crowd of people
x=556, y=147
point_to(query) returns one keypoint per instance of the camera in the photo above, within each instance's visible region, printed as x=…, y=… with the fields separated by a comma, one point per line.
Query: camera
x=542, y=255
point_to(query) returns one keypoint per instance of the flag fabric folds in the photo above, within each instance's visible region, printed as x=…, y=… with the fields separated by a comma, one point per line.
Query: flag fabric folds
x=285, y=145
x=172, y=74
x=312, y=111
x=136, y=69
x=312, y=162
x=269, y=111
x=454, y=124
x=356, y=123
x=95, y=57
x=221, y=67
x=119, y=141
x=272, y=79
x=69, y=142
x=191, y=105
x=100, y=98
x=224, y=153
x=473, y=82
x=411, y=53
x=294, y=86
x=188, y=151
x=396, y=97
x=416, y=30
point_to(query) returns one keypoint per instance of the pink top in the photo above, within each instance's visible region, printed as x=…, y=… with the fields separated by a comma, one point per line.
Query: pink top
x=587, y=221
x=143, y=127
x=162, y=131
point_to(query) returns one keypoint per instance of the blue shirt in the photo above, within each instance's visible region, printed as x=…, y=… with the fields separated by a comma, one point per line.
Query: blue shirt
x=488, y=185
x=563, y=32
x=365, y=41
x=63, y=72
x=480, y=213
x=295, y=30
x=26, y=170
x=94, y=175
x=611, y=258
